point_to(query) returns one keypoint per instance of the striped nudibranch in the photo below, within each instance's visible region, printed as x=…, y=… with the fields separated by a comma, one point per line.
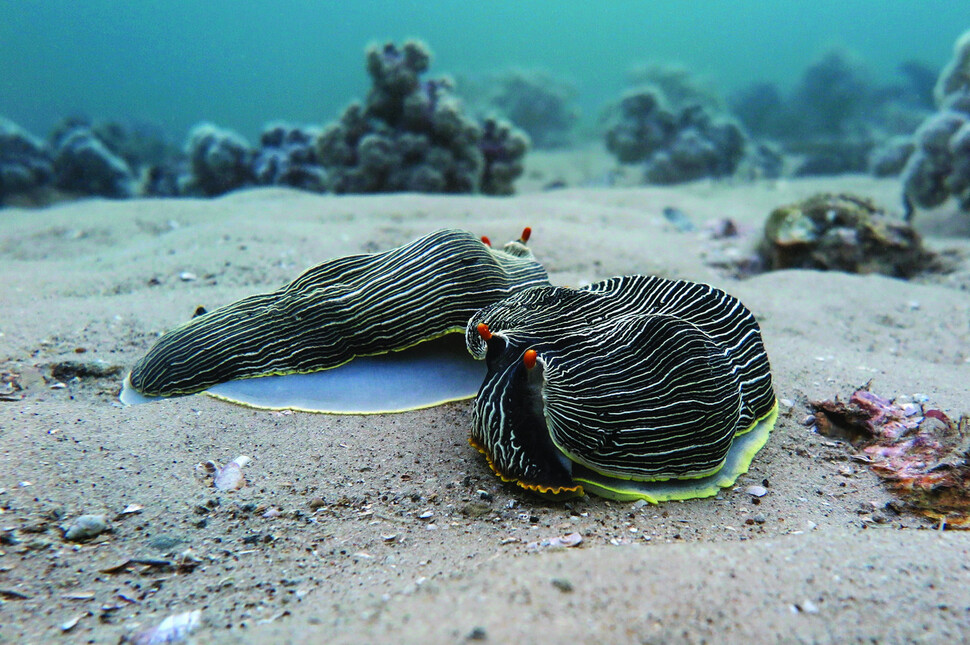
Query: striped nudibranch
x=632, y=388
x=359, y=305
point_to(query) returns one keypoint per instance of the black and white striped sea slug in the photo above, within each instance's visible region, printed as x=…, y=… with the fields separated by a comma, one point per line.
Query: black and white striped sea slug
x=364, y=305
x=632, y=388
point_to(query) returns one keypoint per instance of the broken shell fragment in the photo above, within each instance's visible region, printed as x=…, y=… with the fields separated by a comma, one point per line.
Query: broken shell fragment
x=558, y=542
x=225, y=478
x=85, y=527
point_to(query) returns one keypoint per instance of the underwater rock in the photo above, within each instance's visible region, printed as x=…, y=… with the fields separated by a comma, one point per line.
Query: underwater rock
x=25, y=161
x=219, y=161
x=84, y=164
x=411, y=135
x=842, y=233
x=674, y=147
x=288, y=157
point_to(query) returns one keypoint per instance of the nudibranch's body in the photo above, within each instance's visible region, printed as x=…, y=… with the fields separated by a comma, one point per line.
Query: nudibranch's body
x=632, y=388
x=395, y=312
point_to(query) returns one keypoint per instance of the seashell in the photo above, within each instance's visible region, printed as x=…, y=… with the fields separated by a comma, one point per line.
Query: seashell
x=173, y=629
x=386, y=320
x=230, y=477
x=85, y=527
x=632, y=388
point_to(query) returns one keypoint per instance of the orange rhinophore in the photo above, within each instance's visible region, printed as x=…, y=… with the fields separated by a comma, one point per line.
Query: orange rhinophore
x=487, y=242
x=526, y=234
x=529, y=358
x=484, y=332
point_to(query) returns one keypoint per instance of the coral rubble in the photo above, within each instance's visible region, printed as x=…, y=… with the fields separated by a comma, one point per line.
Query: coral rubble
x=412, y=135
x=842, y=233
x=921, y=454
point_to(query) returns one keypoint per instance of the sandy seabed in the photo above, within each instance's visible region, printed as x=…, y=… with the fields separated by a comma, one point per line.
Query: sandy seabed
x=411, y=537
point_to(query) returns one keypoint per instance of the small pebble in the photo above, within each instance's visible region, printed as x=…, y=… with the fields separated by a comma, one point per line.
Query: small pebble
x=187, y=276
x=787, y=403
x=316, y=503
x=85, y=527
x=478, y=634
x=809, y=420
x=562, y=584
x=426, y=515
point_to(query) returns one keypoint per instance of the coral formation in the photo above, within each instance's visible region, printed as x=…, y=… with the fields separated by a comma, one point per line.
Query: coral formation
x=84, y=164
x=674, y=146
x=538, y=103
x=219, y=161
x=411, y=134
x=503, y=148
x=889, y=159
x=842, y=233
x=832, y=95
x=288, y=157
x=955, y=77
x=25, y=161
x=678, y=85
x=940, y=166
x=837, y=119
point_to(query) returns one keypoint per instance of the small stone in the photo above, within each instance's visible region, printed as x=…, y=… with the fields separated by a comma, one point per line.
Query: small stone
x=187, y=276
x=787, y=403
x=316, y=503
x=640, y=503
x=85, y=527
x=562, y=584
x=808, y=420
x=809, y=607
x=477, y=634
x=427, y=515
x=759, y=518
x=166, y=543
x=475, y=509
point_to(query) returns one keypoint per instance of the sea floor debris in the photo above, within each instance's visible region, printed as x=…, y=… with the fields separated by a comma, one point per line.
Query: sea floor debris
x=921, y=454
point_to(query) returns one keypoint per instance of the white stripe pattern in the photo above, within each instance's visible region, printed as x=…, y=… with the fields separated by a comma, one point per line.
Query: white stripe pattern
x=358, y=305
x=636, y=378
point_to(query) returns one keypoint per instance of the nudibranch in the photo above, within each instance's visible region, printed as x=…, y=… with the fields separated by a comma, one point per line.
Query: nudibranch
x=632, y=388
x=365, y=333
